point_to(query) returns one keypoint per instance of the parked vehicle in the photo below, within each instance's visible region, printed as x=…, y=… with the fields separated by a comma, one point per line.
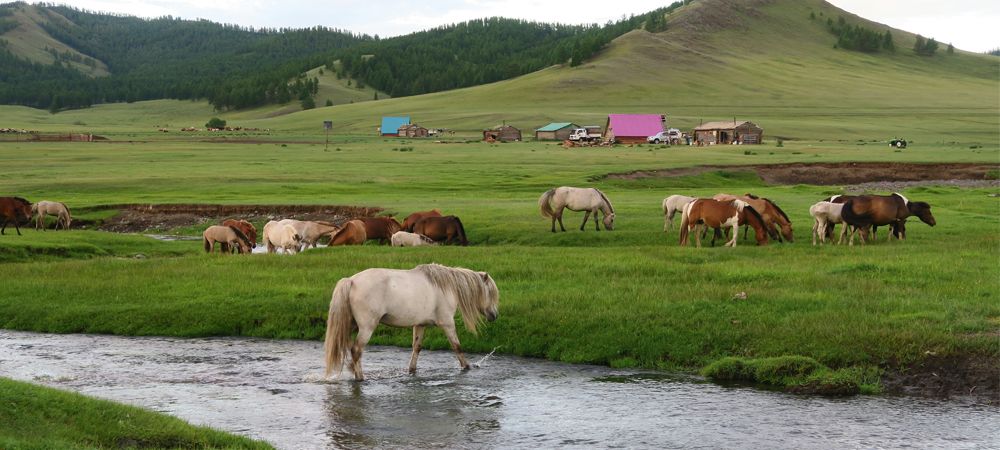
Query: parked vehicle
x=671, y=136
x=897, y=143
x=586, y=134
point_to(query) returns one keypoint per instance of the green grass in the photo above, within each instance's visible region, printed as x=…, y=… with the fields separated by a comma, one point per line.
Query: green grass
x=36, y=417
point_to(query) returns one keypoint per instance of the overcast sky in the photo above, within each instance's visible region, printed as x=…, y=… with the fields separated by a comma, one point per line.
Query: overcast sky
x=972, y=25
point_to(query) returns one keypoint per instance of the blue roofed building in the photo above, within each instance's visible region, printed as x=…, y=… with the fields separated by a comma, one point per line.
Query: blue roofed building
x=556, y=131
x=390, y=125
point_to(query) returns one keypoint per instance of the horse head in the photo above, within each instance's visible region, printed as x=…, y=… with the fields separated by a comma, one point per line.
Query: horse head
x=489, y=303
x=786, y=231
x=609, y=221
x=923, y=211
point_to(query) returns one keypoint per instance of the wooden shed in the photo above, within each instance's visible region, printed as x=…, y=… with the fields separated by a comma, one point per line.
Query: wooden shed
x=555, y=131
x=413, y=131
x=728, y=132
x=502, y=133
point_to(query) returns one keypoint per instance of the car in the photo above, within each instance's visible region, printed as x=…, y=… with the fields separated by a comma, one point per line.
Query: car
x=897, y=143
x=668, y=136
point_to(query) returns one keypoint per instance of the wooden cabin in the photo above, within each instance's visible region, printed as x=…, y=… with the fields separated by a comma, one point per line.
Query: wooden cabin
x=502, y=133
x=728, y=132
x=556, y=131
x=413, y=131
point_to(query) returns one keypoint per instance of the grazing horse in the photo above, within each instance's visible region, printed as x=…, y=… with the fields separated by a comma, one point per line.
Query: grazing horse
x=14, y=210
x=426, y=295
x=405, y=239
x=706, y=212
x=412, y=219
x=671, y=205
x=278, y=235
x=246, y=227
x=310, y=232
x=352, y=233
x=447, y=229
x=825, y=214
x=894, y=228
x=865, y=211
x=381, y=228
x=57, y=209
x=774, y=217
x=590, y=200
x=229, y=237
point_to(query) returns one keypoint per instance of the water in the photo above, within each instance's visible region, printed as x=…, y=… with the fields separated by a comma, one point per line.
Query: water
x=274, y=390
x=260, y=249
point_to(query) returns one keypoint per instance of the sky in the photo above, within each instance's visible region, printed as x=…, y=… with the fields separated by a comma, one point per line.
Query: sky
x=972, y=25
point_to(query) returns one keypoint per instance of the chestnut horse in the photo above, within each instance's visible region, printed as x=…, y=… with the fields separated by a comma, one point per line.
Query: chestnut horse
x=352, y=233
x=895, y=229
x=706, y=212
x=381, y=228
x=774, y=217
x=865, y=211
x=14, y=210
x=246, y=227
x=447, y=229
x=412, y=219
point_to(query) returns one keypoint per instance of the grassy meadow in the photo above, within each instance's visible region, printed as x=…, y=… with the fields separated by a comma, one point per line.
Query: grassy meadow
x=630, y=297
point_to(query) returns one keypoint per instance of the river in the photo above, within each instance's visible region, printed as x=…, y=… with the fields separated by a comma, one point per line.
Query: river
x=274, y=390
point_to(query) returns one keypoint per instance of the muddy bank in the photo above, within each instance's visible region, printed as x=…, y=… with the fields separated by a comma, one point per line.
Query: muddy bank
x=837, y=173
x=138, y=218
x=944, y=377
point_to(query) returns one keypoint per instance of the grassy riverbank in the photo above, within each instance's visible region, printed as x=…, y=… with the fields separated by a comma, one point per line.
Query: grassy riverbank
x=625, y=298
x=36, y=417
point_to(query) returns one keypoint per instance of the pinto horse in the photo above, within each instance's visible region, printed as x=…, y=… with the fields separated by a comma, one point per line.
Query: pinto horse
x=427, y=295
x=381, y=228
x=447, y=229
x=895, y=229
x=706, y=212
x=412, y=219
x=590, y=200
x=866, y=211
x=774, y=217
x=14, y=210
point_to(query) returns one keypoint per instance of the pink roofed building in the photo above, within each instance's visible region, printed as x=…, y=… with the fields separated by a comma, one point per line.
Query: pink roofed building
x=632, y=128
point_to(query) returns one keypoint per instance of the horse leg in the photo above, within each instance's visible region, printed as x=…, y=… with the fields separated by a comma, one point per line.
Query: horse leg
x=597, y=223
x=697, y=234
x=586, y=215
x=364, y=334
x=553, y=223
x=559, y=215
x=418, y=338
x=449, y=331
x=668, y=220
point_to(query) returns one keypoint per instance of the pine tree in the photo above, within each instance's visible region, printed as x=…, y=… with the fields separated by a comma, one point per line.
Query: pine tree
x=887, y=43
x=951, y=49
x=918, y=46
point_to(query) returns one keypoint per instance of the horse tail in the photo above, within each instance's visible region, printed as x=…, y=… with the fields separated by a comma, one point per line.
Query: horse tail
x=684, y=225
x=544, y=202
x=339, y=323
x=848, y=215
x=461, y=231
x=207, y=244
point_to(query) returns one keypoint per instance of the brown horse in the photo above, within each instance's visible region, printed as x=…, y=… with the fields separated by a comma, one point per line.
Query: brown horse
x=447, y=229
x=229, y=237
x=866, y=211
x=14, y=210
x=706, y=212
x=246, y=227
x=774, y=217
x=381, y=228
x=412, y=219
x=896, y=229
x=353, y=233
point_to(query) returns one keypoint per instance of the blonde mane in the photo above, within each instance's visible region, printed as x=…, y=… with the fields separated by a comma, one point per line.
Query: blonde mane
x=467, y=285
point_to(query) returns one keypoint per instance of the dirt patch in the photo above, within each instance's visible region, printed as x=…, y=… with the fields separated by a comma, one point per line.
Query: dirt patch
x=825, y=174
x=132, y=218
x=946, y=377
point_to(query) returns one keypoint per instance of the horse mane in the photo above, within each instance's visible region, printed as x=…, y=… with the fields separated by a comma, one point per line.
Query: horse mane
x=906, y=201
x=605, y=197
x=22, y=200
x=755, y=214
x=775, y=205
x=461, y=229
x=467, y=285
x=749, y=195
x=240, y=234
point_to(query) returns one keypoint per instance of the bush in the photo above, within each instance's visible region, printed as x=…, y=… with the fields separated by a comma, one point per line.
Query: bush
x=215, y=122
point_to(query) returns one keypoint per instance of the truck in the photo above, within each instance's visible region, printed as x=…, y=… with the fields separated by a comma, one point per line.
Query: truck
x=586, y=134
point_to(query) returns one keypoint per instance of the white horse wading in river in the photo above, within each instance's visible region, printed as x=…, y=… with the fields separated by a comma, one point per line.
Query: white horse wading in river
x=283, y=236
x=426, y=295
x=590, y=200
x=58, y=209
x=671, y=205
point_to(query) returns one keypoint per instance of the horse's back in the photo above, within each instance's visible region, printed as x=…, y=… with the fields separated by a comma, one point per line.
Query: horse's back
x=401, y=298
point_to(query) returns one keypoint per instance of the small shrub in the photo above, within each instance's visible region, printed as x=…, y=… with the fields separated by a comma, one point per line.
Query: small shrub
x=746, y=152
x=993, y=174
x=780, y=143
x=215, y=122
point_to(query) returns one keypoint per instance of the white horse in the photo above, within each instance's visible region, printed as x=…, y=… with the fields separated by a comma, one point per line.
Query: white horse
x=825, y=214
x=671, y=205
x=405, y=239
x=283, y=236
x=310, y=232
x=426, y=295
x=57, y=209
x=590, y=200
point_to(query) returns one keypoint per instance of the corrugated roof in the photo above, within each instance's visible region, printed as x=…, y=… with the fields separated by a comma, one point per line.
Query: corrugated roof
x=643, y=125
x=556, y=126
x=720, y=125
x=390, y=125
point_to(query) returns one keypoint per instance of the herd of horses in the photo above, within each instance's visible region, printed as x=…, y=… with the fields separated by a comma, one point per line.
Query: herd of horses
x=293, y=236
x=19, y=211
x=726, y=213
